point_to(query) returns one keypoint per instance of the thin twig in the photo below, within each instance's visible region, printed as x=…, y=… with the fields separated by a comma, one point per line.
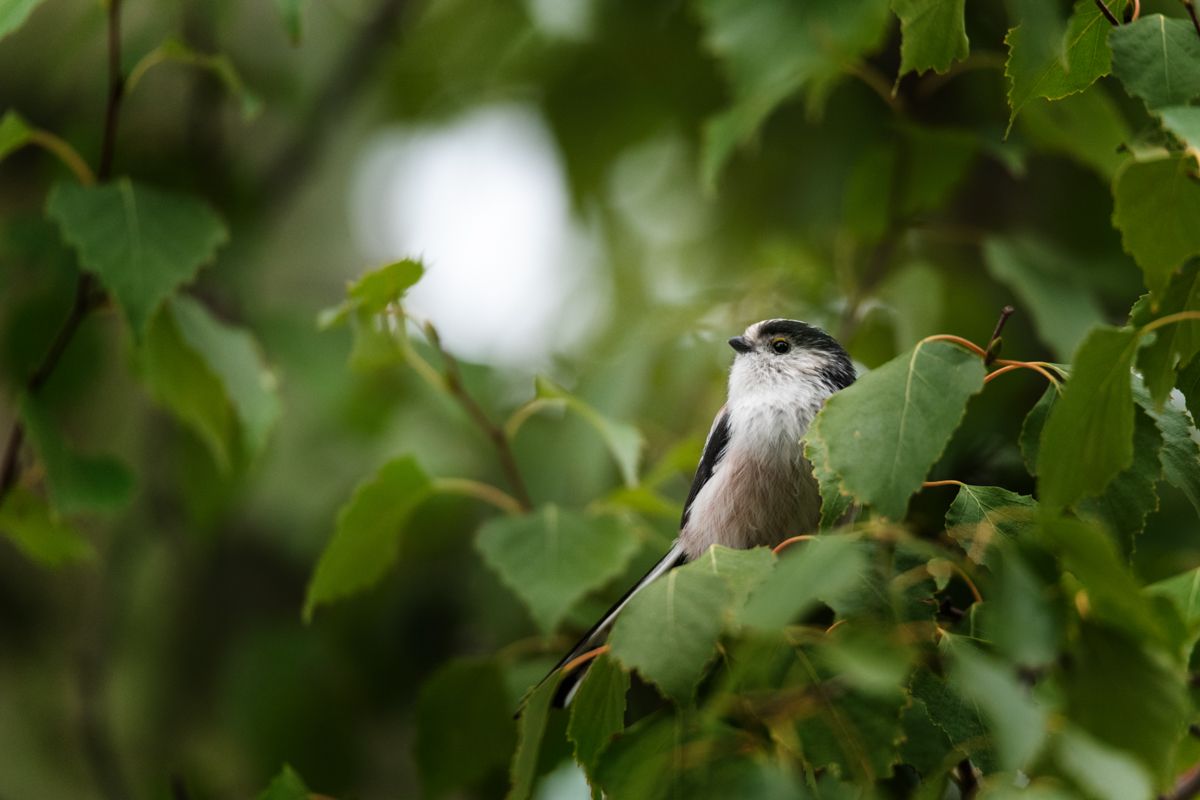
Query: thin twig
x=456, y=387
x=85, y=295
x=1009, y=366
x=1108, y=15
x=935, y=484
x=958, y=340
x=786, y=543
x=993, y=348
x=1178, y=316
x=578, y=661
x=1191, y=9
x=63, y=151
x=1137, y=10
x=116, y=91
x=480, y=491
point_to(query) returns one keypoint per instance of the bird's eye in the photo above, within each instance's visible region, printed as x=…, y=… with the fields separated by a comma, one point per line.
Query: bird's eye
x=781, y=346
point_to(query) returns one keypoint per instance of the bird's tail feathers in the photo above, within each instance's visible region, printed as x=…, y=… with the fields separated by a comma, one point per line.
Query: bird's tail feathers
x=599, y=632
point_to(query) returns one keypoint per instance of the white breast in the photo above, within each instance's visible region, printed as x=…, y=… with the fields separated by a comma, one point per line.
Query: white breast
x=762, y=490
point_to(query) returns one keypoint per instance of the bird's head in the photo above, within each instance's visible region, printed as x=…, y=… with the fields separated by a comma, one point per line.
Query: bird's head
x=787, y=355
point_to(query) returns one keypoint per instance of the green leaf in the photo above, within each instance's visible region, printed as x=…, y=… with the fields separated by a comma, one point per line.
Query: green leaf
x=835, y=505
x=959, y=721
x=933, y=34
x=218, y=64
x=1188, y=382
x=1040, y=66
x=1032, y=426
x=236, y=359
x=1180, y=455
x=76, y=482
x=1057, y=295
x=669, y=630
x=854, y=733
x=378, y=330
x=1017, y=722
x=374, y=290
x=906, y=410
x=15, y=132
x=598, y=710
x=821, y=569
x=624, y=441
x=291, y=12
x=551, y=558
x=13, y=14
x=1020, y=616
x=1103, y=772
x=143, y=243
x=642, y=763
x=1146, y=723
x=1088, y=437
x=1155, y=207
x=531, y=728
x=287, y=785
x=1183, y=121
x=38, y=532
x=867, y=659
x=1113, y=595
x=184, y=383
x=773, y=49
x=1132, y=494
x=1158, y=60
x=464, y=725
x=1087, y=127
x=926, y=747
x=981, y=517
x=366, y=541
x=1174, y=344
x=742, y=570
x=1184, y=591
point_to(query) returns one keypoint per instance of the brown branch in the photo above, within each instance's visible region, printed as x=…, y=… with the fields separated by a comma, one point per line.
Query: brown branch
x=1108, y=15
x=456, y=387
x=116, y=91
x=86, y=296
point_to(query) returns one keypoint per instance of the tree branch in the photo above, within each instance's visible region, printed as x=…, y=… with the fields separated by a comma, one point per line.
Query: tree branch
x=86, y=297
x=456, y=387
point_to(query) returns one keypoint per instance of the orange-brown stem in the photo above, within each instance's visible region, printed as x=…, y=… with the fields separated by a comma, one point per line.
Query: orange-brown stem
x=579, y=661
x=786, y=543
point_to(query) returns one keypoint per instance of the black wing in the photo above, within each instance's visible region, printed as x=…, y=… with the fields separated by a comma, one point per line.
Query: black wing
x=714, y=450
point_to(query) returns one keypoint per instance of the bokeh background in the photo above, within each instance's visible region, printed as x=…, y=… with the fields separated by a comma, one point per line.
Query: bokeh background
x=544, y=159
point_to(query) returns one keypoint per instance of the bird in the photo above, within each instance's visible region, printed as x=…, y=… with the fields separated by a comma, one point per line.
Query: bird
x=753, y=485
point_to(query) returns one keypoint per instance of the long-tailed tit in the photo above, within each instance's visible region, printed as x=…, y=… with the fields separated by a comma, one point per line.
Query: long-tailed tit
x=753, y=485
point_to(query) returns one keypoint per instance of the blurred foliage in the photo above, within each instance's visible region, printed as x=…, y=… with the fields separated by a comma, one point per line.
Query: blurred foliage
x=245, y=554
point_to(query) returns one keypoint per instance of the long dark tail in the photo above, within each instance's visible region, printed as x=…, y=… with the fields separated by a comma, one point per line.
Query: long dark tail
x=598, y=632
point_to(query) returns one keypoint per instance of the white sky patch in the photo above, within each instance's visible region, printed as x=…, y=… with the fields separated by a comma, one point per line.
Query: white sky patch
x=483, y=201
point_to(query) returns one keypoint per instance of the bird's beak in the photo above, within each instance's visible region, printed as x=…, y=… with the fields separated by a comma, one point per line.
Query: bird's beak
x=741, y=344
